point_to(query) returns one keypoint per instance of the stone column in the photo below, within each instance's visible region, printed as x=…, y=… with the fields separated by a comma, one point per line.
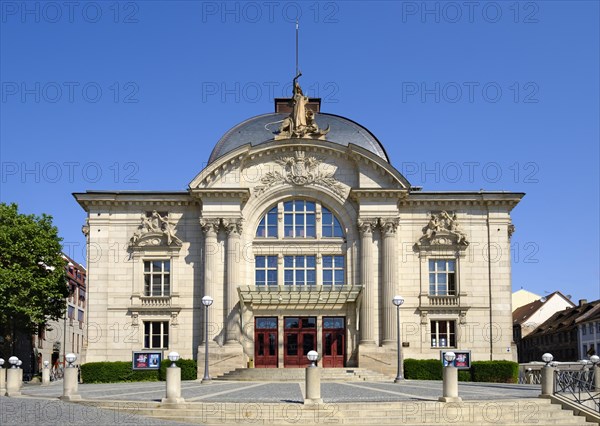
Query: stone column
x=367, y=272
x=211, y=251
x=388, y=230
x=233, y=227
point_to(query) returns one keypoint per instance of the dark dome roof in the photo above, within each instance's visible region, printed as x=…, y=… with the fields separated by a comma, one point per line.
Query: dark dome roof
x=262, y=128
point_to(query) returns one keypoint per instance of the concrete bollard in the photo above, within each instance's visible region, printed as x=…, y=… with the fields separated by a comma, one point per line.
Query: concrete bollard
x=597, y=377
x=173, y=387
x=2, y=381
x=548, y=380
x=313, y=385
x=450, y=385
x=45, y=376
x=13, y=382
x=70, y=385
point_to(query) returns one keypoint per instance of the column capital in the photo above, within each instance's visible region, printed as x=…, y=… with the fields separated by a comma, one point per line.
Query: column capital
x=389, y=226
x=367, y=225
x=210, y=226
x=233, y=226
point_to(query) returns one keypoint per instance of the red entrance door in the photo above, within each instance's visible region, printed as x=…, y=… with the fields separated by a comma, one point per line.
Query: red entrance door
x=265, y=342
x=300, y=337
x=334, y=342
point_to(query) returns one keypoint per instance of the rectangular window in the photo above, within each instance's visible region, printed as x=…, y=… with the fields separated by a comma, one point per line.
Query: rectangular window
x=157, y=277
x=79, y=315
x=443, y=334
x=333, y=270
x=583, y=329
x=442, y=277
x=299, y=270
x=71, y=312
x=299, y=219
x=265, y=270
x=156, y=334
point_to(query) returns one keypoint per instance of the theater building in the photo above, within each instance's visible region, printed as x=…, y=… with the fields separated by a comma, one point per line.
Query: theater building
x=302, y=232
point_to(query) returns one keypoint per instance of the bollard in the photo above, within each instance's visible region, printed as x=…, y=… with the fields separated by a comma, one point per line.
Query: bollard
x=13, y=382
x=313, y=385
x=547, y=380
x=2, y=378
x=173, y=387
x=597, y=377
x=70, y=385
x=450, y=386
x=45, y=376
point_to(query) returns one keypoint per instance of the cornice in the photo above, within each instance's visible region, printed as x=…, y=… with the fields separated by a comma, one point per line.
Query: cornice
x=358, y=194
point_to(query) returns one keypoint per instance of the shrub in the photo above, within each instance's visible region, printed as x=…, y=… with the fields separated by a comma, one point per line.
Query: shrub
x=189, y=369
x=495, y=371
x=116, y=371
x=464, y=375
x=423, y=369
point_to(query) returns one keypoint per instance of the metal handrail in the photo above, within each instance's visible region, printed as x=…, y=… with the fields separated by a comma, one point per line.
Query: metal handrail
x=578, y=386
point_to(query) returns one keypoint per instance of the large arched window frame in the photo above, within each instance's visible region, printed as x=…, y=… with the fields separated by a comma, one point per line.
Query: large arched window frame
x=308, y=241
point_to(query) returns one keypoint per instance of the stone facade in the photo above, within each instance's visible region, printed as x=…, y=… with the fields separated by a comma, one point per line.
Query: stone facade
x=391, y=237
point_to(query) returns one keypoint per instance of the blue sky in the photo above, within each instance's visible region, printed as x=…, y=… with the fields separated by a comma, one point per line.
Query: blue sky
x=493, y=95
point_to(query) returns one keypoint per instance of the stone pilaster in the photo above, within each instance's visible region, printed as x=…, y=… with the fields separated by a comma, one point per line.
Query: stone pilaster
x=367, y=273
x=210, y=227
x=388, y=281
x=233, y=260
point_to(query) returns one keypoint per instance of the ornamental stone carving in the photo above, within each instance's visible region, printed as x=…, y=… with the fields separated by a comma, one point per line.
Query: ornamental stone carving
x=389, y=226
x=366, y=226
x=233, y=226
x=210, y=225
x=300, y=170
x=301, y=122
x=154, y=230
x=511, y=230
x=443, y=230
x=85, y=229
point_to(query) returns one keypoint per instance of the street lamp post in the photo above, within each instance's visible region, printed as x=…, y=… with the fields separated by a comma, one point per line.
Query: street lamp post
x=398, y=301
x=206, y=301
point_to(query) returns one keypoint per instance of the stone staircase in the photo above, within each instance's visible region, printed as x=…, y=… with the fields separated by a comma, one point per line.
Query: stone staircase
x=411, y=413
x=299, y=374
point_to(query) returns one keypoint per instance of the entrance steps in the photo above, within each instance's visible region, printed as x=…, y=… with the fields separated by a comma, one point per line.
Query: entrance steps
x=410, y=413
x=299, y=374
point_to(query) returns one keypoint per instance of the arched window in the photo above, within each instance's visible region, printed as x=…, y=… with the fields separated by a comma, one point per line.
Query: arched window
x=315, y=261
x=331, y=226
x=299, y=221
x=268, y=225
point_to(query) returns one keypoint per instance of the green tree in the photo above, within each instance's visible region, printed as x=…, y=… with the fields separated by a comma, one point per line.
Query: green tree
x=32, y=271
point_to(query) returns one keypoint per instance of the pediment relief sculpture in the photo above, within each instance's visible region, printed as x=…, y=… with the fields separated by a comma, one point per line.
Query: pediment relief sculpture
x=300, y=170
x=155, y=230
x=443, y=230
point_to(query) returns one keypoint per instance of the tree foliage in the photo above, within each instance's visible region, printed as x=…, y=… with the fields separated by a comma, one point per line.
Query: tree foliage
x=33, y=284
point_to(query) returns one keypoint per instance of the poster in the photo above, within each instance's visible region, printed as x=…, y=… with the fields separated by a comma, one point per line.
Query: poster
x=146, y=360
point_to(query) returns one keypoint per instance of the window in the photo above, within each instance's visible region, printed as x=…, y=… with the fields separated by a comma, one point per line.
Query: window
x=157, y=281
x=71, y=312
x=268, y=225
x=299, y=270
x=443, y=334
x=442, y=277
x=584, y=329
x=591, y=326
x=299, y=219
x=156, y=334
x=333, y=270
x=266, y=270
x=79, y=315
x=331, y=226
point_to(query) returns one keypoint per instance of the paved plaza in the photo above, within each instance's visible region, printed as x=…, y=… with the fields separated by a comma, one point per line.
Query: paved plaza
x=40, y=404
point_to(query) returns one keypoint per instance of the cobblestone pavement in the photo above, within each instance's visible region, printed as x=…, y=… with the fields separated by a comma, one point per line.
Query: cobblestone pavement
x=289, y=392
x=39, y=405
